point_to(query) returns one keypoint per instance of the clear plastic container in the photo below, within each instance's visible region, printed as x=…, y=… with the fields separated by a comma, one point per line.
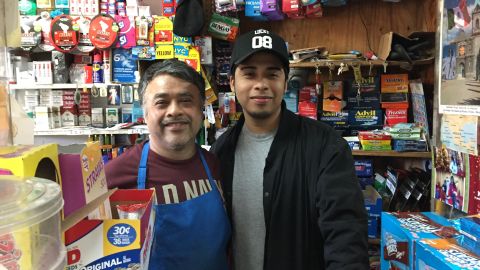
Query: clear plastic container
x=30, y=224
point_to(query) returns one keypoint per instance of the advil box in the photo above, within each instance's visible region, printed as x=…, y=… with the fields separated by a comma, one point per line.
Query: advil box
x=400, y=231
x=444, y=254
x=40, y=161
x=82, y=168
x=113, y=243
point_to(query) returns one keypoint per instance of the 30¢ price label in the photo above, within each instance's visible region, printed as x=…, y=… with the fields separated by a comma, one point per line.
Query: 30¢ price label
x=121, y=235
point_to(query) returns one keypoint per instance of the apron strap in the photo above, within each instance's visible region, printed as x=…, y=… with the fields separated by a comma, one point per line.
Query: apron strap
x=142, y=168
x=207, y=169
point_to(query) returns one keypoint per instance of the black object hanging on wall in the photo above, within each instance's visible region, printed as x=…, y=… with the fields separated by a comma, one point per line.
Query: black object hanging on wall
x=189, y=18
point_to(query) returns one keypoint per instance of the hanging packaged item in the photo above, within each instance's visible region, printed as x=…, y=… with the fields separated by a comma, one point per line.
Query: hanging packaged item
x=126, y=32
x=252, y=10
x=222, y=27
x=222, y=6
x=64, y=37
x=29, y=37
x=332, y=96
x=103, y=31
x=271, y=9
x=168, y=8
x=84, y=43
x=125, y=69
x=27, y=7
x=144, y=31
x=163, y=28
x=43, y=25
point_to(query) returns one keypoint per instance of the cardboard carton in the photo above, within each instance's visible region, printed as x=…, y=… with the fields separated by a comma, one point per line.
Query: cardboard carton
x=444, y=254
x=400, y=232
x=112, y=243
x=82, y=169
x=40, y=161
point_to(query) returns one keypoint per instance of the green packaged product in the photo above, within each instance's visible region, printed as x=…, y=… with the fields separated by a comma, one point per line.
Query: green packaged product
x=222, y=27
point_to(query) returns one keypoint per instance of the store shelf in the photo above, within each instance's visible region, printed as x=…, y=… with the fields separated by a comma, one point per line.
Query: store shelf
x=56, y=86
x=392, y=154
x=83, y=131
x=327, y=62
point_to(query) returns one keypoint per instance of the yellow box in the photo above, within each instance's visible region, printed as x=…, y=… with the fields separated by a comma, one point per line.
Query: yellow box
x=30, y=160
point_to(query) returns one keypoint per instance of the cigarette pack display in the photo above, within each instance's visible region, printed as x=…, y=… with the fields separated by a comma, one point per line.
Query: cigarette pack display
x=111, y=116
x=98, y=118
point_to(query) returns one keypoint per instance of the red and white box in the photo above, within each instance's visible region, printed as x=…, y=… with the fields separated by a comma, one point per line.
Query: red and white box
x=116, y=243
x=394, y=116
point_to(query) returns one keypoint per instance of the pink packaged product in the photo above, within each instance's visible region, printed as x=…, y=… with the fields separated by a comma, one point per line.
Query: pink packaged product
x=126, y=33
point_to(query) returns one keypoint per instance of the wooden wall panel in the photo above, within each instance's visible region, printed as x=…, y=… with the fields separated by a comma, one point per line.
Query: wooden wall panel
x=341, y=29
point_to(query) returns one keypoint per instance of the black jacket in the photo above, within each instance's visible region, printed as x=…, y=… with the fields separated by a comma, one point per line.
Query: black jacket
x=315, y=216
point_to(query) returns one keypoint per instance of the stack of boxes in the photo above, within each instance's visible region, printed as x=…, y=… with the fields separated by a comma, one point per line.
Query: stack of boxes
x=426, y=240
x=401, y=232
x=394, y=96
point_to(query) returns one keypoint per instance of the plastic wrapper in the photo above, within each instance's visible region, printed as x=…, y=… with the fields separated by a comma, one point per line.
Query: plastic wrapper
x=131, y=211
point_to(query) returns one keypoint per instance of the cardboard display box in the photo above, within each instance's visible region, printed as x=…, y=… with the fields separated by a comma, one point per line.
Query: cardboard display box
x=444, y=254
x=400, y=232
x=40, y=161
x=113, y=243
x=82, y=169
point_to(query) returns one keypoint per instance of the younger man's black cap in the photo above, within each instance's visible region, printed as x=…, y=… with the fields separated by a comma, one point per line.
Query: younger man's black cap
x=257, y=41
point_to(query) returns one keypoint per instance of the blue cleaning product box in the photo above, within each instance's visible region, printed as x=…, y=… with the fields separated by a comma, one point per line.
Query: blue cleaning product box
x=444, y=254
x=401, y=230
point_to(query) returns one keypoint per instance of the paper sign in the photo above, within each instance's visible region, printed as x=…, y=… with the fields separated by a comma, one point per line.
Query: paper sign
x=459, y=132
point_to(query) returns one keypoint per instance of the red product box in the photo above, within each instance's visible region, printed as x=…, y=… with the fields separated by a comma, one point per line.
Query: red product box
x=307, y=109
x=370, y=135
x=394, y=116
x=307, y=93
x=290, y=6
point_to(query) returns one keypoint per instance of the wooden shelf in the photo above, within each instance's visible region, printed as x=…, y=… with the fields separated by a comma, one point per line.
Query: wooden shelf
x=327, y=62
x=392, y=154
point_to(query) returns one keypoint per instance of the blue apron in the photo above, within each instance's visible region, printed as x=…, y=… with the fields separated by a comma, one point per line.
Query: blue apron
x=192, y=234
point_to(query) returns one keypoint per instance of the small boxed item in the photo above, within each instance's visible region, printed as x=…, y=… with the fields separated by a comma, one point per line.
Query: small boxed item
x=111, y=116
x=121, y=242
x=395, y=116
x=367, y=97
x=42, y=71
x=373, y=205
x=394, y=83
x=98, y=118
x=337, y=119
x=127, y=114
x=43, y=118
x=365, y=117
x=409, y=145
x=30, y=224
x=400, y=232
x=363, y=167
x=375, y=141
x=444, y=254
x=373, y=202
